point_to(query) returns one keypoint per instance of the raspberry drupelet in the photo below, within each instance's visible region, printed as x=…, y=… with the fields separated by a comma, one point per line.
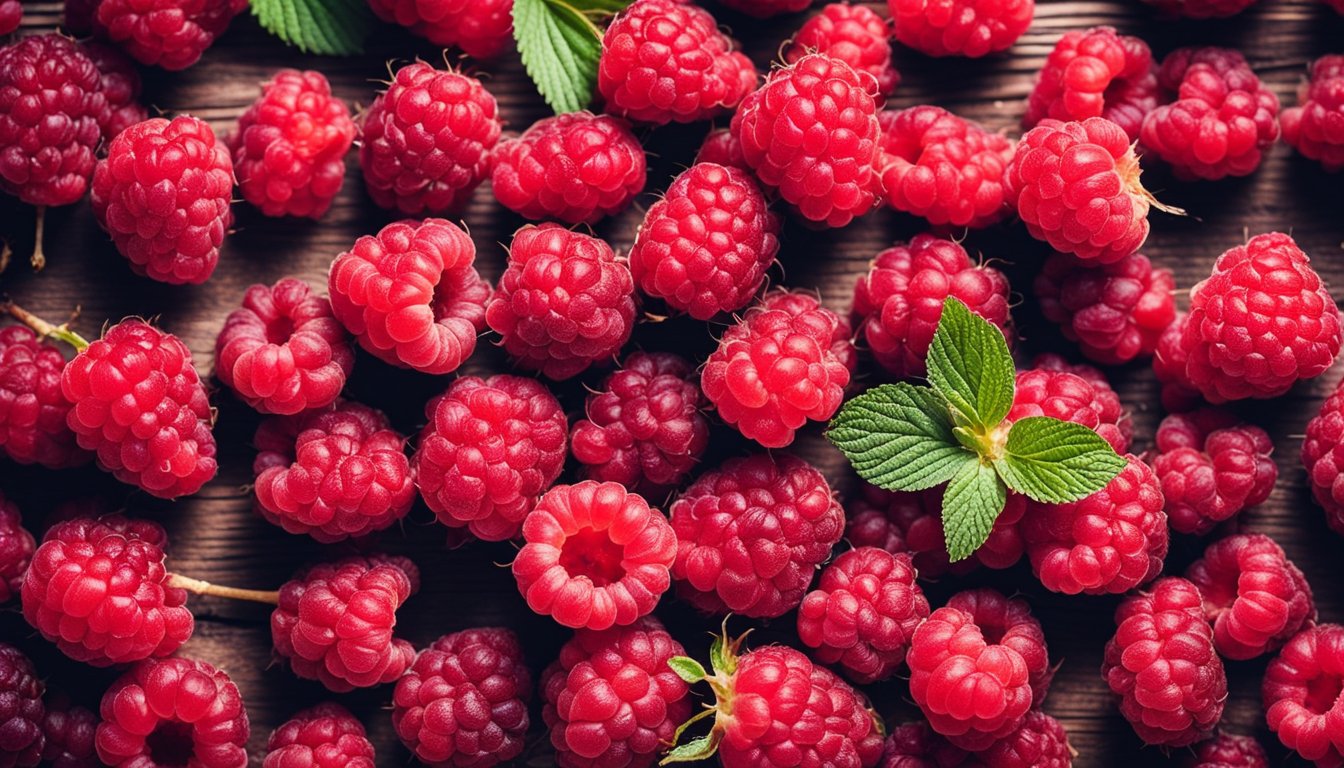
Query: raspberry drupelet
x=171, y=34
x=290, y=146
x=764, y=9
x=21, y=710
x=33, y=409
x=1069, y=396
x=120, y=83
x=1009, y=623
x=854, y=34
x=1323, y=458
x=489, y=450
x=411, y=295
x=324, y=736
x=1169, y=361
x=483, y=30
x=1095, y=73
x=1227, y=750
x=70, y=731
x=1311, y=126
x=750, y=534
x=1254, y=596
x=723, y=148
x=1301, y=693
x=564, y=302
x=1199, y=9
x=704, y=248
x=1040, y=742
x=463, y=703
x=16, y=550
x=426, y=141
x=1212, y=466
x=971, y=28
x=1116, y=312
x=577, y=168
x=916, y=745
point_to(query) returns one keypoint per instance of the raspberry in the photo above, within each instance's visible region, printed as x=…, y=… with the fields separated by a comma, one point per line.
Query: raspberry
x=1095, y=73
x=943, y=168
x=830, y=182
x=912, y=522
x=576, y=168
x=1009, y=623
x=324, y=736
x=1040, y=742
x=52, y=108
x=1107, y=543
x=723, y=148
x=644, y=428
x=335, y=473
x=173, y=712
x=611, y=700
x=11, y=15
x=764, y=9
x=411, y=295
x=854, y=34
x=1076, y=186
x=1312, y=127
x=704, y=248
x=786, y=362
x=464, y=700
x=1228, y=751
x=139, y=404
x=1323, y=458
x=1223, y=119
x=16, y=550
x=120, y=83
x=1068, y=396
x=971, y=28
x=1200, y=9
x=1116, y=312
x=1104, y=394
x=1162, y=666
x=163, y=194
x=171, y=34
x=427, y=141
x=1169, y=361
x=916, y=745
x=334, y=622
x=33, y=409
x=863, y=612
x=1302, y=697
x=666, y=61
x=289, y=149
x=751, y=533
x=483, y=30
x=490, y=449
x=564, y=302
x=69, y=732
x=21, y=710
x=899, y=302
x=1254, y=596
x=1212, y=467
x=1262, y=321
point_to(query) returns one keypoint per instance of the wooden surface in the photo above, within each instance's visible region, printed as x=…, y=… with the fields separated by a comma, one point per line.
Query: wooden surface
x=216, y=535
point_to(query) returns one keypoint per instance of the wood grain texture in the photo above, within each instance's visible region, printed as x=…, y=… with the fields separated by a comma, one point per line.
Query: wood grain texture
x=216, y=535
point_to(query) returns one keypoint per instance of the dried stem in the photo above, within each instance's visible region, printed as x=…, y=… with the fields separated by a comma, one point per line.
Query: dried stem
x=198, y=587
x=43, y=328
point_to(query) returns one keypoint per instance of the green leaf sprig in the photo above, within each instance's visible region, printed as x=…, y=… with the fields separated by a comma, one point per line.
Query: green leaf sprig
x=560, y=45
x=904, y=437
x=329, y=27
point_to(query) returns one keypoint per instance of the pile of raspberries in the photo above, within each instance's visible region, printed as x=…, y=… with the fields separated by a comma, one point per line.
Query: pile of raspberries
x=589, y=459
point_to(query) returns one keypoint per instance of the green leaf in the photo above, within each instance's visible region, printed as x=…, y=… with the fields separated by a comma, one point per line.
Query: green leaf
x=970, y=365
x=899, y=437
x=973, y=499
x=328, y=27
x=560, y=48
x=604, y=7
x=687, y=669
x=1056, y=461
x=702, y=748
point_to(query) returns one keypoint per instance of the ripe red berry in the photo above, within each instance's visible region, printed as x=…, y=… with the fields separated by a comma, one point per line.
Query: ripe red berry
x=576, y=168
x=1212, y=466
x=33, y=410
x=427, y=140
x=564, y=302
x=1068, y=396
x=324, y=736
x=704, y=248
x=1095, y=73
x=482, y=30
x=722, y=148
x=1162, y=666
x=464, y=700
x=120, y=83
x=1008, y=621
x=1309, y=127
x=1301, y=693
x=1040, y=742
x=971, y=28
x=21, y=710
x=69, y=731
x=411, y=295
x=1254, y=596
x=764, y=9
x=11, y=15
x=916, y=745
x=16, y=550
x=171, y=34
x=1199, y=9
x=750, y=534
x=1169, y=361
x=854, y=34
x=1323, y=458
x=1227, y=751
x=1116, y=312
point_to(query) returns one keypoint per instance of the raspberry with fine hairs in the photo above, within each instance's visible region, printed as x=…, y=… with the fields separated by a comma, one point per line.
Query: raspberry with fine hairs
x=1008, y=622
x=1095, y=73
x=1301, y=693
x=171, y=34
x=1212, y=466
x=971, y=28
x=1254, y=596
x=854, y=34
x=1169, y=361
x=1199, y=9
x=33, y=409
x=70, y=731
x=1115, y=312
x=482, y=30
x=16, y=549
x=1227, y=750
x=1065, y=395
x=1323, y=458
x=120, y=83
x=21, y=710
x=324, y=736
x=1309, y=127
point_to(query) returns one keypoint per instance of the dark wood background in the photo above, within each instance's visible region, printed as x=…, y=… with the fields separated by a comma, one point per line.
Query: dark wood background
x=217, y=536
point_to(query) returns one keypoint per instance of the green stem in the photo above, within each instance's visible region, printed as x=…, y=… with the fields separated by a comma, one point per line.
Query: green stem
x=43, y=328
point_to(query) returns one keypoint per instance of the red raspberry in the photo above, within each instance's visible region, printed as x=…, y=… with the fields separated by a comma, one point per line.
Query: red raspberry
x=1223, y=119
x=11, y=16
x=971, y=28
x=916, y=745
x=482, y=30
x=854, y=34
x=427, y=141
x=411, y=295
x=722, y=148
x=21, y=710
x=943, y=168
x=139, y=404
x=1116, y=312
x=899, y=302
x=33, y=409
x=1312, y=127
x=1105, y=395
x=1338, y=5
x=1095, y=73
x=751, y=533
x=1200, y=9
x=175, y=709
x=576, y=168
x=335, y=473
x=764, y=9
x=16, y=550
x=1009, y=623
x=644, y=429
x=120, y=83
x=863, y=612
x=611, y=700
x=1169, y=361
x=1162, y=665
x=289, y=149
x=1212, y=466
x=1254, y=596
x=334, y=622
x=52, y=109
x=1302, y=697
x=595, y=556
x=666, y=61
x=829, y=182
x=564, y=302
x=69, y=732
x=1107, y=543
x=1323, y=457
x=912, y=522
x=704, y=248
x=490, y=449
x=163, y=194
x=1040, y=742
x=1228, y=751
x=1262, y=321
x=168, y=33
x=464, y=700
x=1076, y=186
x=284, y=351
x=1067, y=396
x=324, y=736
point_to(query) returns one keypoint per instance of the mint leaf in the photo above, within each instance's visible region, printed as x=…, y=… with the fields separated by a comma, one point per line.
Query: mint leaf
x=969, y=364
x=1056, y=461
x=899, y=437
x=599, y=7
x=329, y=27
x=560, y=47
x=973, y=499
